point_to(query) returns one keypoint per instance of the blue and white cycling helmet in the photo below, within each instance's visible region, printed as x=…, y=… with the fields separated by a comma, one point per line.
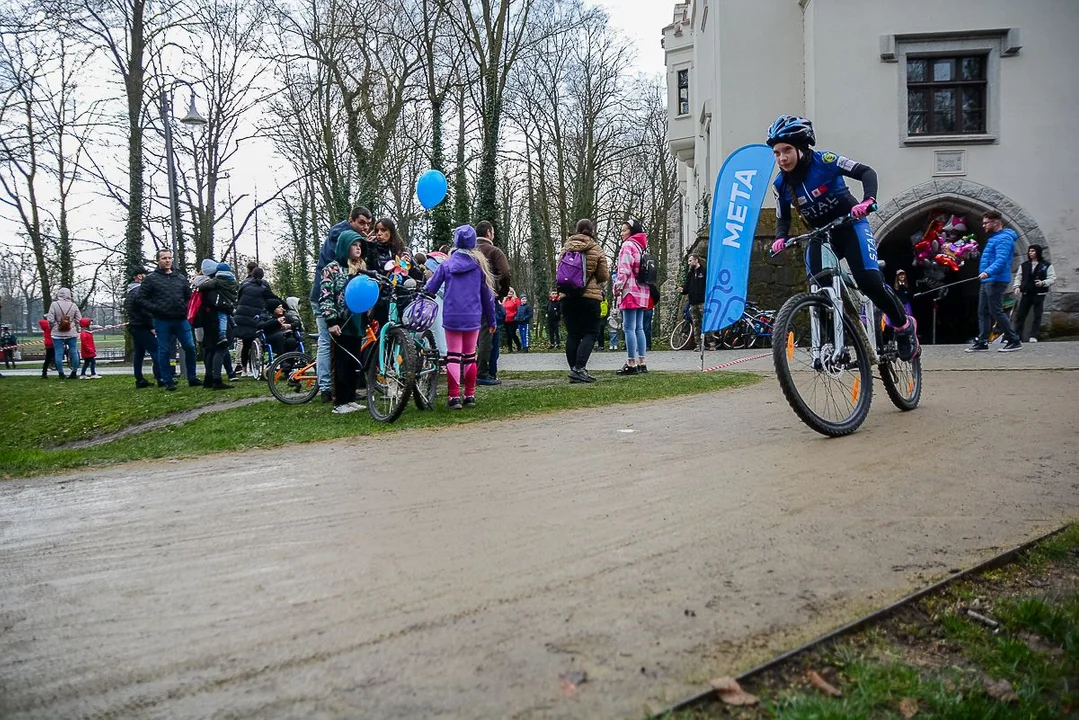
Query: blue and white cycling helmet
x=793, y=130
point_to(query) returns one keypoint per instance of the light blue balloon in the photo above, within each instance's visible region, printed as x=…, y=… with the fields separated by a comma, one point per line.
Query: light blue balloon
x=361, y=293
x=431, y=188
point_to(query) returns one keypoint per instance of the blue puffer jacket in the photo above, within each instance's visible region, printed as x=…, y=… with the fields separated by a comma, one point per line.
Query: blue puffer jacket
x=997, y=256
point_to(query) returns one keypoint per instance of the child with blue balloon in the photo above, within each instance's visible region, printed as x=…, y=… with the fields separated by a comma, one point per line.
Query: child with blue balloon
x=468, y=299
x=345, y=296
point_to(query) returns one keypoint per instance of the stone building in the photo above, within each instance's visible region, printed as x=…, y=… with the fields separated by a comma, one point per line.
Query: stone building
x=960, y=106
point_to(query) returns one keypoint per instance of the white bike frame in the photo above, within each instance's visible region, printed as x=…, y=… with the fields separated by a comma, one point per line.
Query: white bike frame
x=835, y=295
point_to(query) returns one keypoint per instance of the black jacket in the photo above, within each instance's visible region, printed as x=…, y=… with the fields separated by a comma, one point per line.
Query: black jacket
x=254, y=295
x=134, y=309
x=165, y=296
x=694, y=287
x=554, y=310
x=1040, y=271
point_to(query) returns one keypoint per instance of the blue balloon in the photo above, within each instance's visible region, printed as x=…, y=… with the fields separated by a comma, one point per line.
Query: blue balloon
x=431, y=188
x=361, y=293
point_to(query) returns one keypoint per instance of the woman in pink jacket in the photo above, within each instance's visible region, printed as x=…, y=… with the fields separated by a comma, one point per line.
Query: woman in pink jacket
x=633, y=297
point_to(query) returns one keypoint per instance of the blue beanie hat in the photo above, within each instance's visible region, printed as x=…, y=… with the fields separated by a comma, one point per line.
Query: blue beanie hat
x=224, y=267
x=209, y=267
x=464, y=237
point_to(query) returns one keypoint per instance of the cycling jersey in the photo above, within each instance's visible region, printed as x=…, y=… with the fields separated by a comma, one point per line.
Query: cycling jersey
x=818, y=187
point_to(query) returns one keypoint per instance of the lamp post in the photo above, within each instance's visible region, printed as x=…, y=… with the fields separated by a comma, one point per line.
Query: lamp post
x=193, y=119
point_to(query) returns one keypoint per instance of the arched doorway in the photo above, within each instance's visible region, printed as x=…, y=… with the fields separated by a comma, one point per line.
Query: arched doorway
x=948, y=315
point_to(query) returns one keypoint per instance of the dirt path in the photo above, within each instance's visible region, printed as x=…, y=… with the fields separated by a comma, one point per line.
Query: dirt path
x=410, y=576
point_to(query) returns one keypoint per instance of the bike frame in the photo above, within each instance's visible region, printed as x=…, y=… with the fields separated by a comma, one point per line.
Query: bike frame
x=394, y=321
x=834, y=283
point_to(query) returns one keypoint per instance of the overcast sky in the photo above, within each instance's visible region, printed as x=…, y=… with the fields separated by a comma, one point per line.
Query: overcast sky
x=643, y=22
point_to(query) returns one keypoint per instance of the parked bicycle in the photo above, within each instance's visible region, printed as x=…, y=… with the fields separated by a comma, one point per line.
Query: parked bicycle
x=399, y=359
x=755, y=326
x=828, y=340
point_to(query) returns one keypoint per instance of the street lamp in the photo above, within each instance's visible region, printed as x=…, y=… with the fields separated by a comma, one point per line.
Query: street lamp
x=194, y=119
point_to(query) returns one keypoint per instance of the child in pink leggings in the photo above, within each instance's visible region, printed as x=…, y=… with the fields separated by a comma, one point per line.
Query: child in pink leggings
x=468, y=304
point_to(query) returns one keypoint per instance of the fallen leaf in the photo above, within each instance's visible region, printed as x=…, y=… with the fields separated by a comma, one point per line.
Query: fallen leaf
x=1000, y=689
x=908, y=708
x=731, y=692
x=821, y=684
x=570, y=681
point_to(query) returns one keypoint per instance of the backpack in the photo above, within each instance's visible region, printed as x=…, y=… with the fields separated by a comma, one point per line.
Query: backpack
x=194, y=305
x=64, y=323
x=221, y=304
x=646, y=272
x=571, y=276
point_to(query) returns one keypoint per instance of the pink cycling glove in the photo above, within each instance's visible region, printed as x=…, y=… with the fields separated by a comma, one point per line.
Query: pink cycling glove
x=860, y=210
x=779, y=245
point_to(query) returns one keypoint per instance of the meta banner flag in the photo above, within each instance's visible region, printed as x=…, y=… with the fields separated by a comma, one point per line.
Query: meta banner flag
x=736, y=205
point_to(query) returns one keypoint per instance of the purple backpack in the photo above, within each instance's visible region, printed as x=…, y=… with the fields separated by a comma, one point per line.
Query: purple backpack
x=571, y=275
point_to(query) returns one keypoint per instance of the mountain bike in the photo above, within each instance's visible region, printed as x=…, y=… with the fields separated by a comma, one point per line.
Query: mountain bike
x=405, y=364
x=754, y=326
x=826, y=342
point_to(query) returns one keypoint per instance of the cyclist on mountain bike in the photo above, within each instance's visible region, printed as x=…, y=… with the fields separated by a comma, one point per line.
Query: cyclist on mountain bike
x=813, y=182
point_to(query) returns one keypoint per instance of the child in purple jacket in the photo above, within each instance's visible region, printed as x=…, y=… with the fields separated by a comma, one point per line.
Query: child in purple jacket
x=468, y=302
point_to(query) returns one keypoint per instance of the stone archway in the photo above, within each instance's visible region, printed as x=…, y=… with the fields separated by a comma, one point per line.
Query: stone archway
x=944, y=191
x=892, y=226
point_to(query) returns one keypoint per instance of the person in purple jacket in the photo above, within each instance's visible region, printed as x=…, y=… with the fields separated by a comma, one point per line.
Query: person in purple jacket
x=468, y=303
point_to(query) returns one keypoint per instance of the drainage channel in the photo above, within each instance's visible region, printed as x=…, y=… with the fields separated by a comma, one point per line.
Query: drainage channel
x=709, y=695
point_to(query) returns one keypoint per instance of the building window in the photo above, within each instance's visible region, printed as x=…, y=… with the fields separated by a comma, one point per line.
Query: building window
x=946, y=95
x=683, y=92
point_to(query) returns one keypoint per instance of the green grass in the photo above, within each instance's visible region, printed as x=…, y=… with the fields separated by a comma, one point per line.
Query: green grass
x=42, y=414
x=939, y=658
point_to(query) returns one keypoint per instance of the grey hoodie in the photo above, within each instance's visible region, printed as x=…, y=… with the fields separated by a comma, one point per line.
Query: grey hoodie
x=64, y=305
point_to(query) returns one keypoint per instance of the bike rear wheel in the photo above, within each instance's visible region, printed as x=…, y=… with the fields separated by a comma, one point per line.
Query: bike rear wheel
x=390, y=387
x=681, y=335
x=292, y=378
x=830, y=394
x=426, y=392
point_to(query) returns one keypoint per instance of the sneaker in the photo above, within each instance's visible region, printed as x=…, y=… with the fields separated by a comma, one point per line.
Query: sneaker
x=346, y=409
x=454, y=403
x=1033, y=340
x=325, y=396
x=575, y=376
x=1012, y=346
x=170, y=387
x=71, y=376
x=161, y=383
x=356, y=406
x=470, y=401
x=140, y=384
x=642, y=369
x=489, y=381
x=95, y=376
x=906, y=340
x=84, y=377
x=195, y=382
x=977, y=346
x=627, y=369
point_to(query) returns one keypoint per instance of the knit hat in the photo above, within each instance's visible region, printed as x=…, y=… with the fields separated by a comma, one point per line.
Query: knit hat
x=84, y=322
x=136, y=271
x=464, y=237
x=209, y=267
x=635, y=226
x=273, y=303
x=224, y=267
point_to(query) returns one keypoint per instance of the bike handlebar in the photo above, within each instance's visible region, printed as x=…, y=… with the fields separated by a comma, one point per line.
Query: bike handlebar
x=821, y=231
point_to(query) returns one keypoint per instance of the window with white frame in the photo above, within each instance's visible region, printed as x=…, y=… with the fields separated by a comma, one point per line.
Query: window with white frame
x=683, y=92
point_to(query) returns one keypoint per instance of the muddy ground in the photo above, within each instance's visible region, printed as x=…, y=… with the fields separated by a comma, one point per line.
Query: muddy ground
x=461, y=572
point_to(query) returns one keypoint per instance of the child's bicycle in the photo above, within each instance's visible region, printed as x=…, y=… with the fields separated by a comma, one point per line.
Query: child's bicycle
x=826, y=343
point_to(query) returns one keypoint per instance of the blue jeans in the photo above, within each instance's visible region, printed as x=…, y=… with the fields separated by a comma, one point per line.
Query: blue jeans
x=614, y=339
x=143, y=343
x=496, y=342
x=72, y=345
x=91, y=364
x=990, y=308
x=633, y=329
x=647, y=324
x=168, y=331
x=322, y=355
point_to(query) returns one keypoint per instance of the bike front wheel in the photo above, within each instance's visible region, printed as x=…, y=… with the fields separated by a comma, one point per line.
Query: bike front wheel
x=390, y=382
x=681, y=335
x=903, y=382
x=292, y=378
x=829, y=388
